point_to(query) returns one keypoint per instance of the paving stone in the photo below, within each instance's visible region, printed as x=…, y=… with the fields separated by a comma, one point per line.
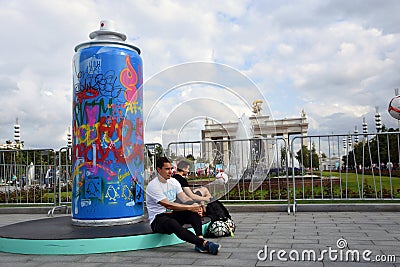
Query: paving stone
x=378, y=232
x=88, y=264
x=386, y=243
x=356, y=264
x=215, y=261
x=170, y=261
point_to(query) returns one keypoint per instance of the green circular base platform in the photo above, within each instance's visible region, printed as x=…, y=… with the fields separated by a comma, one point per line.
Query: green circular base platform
x=59, y=236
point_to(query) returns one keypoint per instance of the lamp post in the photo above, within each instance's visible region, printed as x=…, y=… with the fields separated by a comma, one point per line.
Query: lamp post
x=69, y=137
x=349, y=141
x=355, y=135
x=378, y=122
x=365, y=128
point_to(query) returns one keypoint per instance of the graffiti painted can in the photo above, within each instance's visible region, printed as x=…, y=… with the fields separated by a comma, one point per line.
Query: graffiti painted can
x=108, y=148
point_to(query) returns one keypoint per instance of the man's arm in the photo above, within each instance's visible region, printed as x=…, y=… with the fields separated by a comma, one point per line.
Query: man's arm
x=183, y=197
x=193, y=196
x=181, y=207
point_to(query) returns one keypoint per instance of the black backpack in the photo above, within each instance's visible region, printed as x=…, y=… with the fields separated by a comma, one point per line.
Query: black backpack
x=221, y=222
x=217, y=211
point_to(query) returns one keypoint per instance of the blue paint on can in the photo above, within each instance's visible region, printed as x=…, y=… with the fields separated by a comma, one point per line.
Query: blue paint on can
x=108, y=144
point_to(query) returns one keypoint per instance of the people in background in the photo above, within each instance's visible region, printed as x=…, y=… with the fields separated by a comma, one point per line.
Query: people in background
x=198, y=194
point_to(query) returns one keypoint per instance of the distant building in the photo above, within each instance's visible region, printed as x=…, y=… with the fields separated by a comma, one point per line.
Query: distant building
x=261, y=127
x=17, y=143
x=330, y=164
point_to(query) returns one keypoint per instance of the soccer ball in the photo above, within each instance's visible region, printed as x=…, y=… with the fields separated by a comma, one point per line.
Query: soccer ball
x=394, y=107
x=231, y=225
x=222, y=177
x=218, y=229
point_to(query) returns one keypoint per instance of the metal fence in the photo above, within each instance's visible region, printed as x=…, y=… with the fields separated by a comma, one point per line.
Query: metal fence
x=257, y=169
x=27, y=176
x=346, y=168
x=303, y=169
x=44, y=176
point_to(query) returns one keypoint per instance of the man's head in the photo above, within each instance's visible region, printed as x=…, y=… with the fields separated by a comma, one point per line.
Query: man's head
x=164, y=167
x=183, y=166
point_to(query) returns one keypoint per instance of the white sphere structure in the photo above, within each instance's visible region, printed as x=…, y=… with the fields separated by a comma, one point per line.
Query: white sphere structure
x=394, y=107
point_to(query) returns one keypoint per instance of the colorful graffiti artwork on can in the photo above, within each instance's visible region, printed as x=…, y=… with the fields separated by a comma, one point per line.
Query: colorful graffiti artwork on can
x=108, y=133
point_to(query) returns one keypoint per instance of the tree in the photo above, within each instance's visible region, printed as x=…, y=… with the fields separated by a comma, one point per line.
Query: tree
x=190, y=157
x=158, y=152
x=366, y=151
x=307, y=158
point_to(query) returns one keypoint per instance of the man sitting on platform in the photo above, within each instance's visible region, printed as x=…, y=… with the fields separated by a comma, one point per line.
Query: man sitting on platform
x=198, y=194
x=168, y=217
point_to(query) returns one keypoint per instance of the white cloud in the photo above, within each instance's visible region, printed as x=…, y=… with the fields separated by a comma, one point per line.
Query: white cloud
x=285, y=50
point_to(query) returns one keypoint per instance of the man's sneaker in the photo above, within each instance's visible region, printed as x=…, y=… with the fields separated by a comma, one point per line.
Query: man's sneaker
x=200, y=249
x=213, y=248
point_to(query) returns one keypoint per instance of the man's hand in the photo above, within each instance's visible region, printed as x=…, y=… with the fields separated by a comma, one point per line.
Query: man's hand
x=196, y=208
x=203, y=207
x=208, y=198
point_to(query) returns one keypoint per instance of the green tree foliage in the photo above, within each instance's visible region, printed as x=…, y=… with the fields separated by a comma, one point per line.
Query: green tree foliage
x=307, y=158
x=368, y=149
x=156, y=151
x=190, y=158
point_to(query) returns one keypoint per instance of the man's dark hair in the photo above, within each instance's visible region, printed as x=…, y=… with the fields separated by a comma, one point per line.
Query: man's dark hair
x=182, y=165
x=160, y=162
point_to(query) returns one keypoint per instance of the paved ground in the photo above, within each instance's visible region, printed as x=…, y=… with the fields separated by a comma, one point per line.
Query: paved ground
x=304, y=233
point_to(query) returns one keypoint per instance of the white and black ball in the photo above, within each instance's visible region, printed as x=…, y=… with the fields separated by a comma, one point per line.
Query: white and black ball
x=394, y=107
x=218, y=229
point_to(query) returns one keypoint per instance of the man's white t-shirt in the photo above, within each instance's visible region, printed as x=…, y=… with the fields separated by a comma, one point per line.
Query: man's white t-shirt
x=157, y=191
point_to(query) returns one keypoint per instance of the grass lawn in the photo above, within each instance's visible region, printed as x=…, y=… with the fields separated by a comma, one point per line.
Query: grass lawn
x=351, y=187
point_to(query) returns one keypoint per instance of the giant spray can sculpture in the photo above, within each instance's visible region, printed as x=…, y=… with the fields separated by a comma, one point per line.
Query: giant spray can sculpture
x=108, y=147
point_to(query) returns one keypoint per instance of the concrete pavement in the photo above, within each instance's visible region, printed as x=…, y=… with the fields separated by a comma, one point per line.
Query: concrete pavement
x=329, y=237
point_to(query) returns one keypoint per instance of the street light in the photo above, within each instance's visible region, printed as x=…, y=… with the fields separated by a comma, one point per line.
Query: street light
x=365, y=128
x=378, y=122
x=69, y=137
x=349, y=141
x=355, y=134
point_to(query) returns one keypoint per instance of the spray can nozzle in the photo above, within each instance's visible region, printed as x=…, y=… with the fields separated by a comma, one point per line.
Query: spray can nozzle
x=107, y=32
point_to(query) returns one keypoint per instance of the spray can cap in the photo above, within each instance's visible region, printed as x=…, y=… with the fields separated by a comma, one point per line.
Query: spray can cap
x=107, y=35
x=107, y=32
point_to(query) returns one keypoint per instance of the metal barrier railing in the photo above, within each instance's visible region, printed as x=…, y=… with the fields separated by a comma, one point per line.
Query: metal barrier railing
x=44, y=176
x=348, y=167
x=151, y=152
x=257, y=168
x=63, y=181
x=26, y=176
x=321, y=168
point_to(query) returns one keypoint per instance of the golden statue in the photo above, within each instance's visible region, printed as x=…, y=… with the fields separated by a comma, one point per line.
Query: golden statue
x=257, y=106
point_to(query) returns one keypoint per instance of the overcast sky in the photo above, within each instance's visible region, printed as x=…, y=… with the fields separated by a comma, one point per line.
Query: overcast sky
x=337, y=60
